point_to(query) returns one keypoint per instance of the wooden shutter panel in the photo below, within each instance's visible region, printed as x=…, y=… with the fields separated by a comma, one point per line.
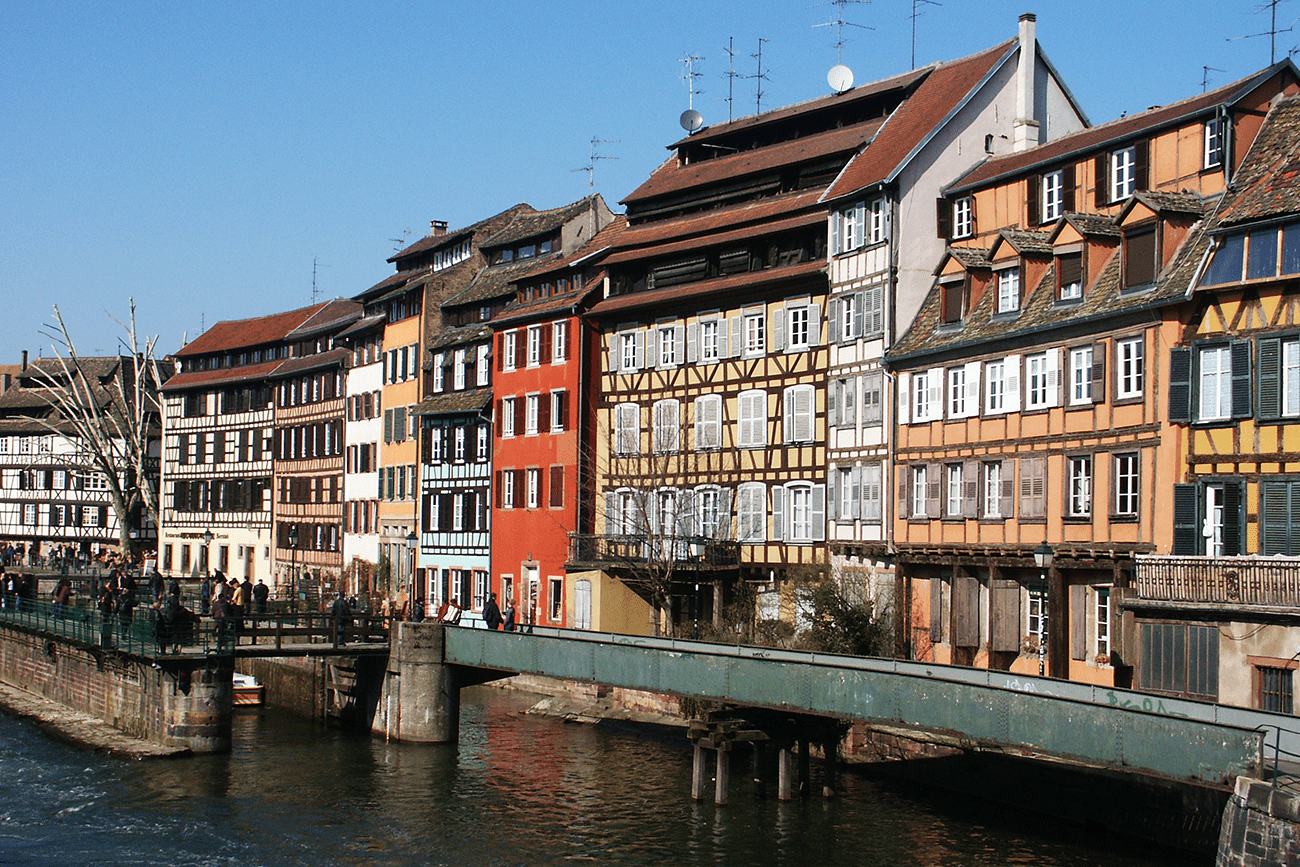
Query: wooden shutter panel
x=562, y=405
x=855, y=492
x=833, y=482
x=833, y=321
x=545, y=348
x=818, y=516
x=943, y=218
x=1101, y=177
x=1187, y=530
x=543, y=413
x=1078, y=621
x=1270, y=379
x=904, y=501
x=965, y=610
x=1007, y=496
x=1141, y=161
x=521, y=349
x=692, y=342
x=832, y=398
x=1067, y=189
x=1241, y=379
x=1232, y=518
x=1099, y=373
x=1004, y=616
x=970, y=500
x=1033, y=199
x=519, y=415
x=936, y=609
x=933, y=490
x=778, y=513
x=1180, y=384
x=501, y=352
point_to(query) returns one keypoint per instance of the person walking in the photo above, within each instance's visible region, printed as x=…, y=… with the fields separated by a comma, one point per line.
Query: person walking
x=342, y=616
x=509, y=621
x=62, y=595
x=260, y=594
x=107, y=603
x=492, y=613
x=244, y=601
x=205, y=595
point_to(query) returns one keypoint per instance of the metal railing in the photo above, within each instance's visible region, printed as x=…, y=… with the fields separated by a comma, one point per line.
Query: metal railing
x=684, y=550
x=1262, y=581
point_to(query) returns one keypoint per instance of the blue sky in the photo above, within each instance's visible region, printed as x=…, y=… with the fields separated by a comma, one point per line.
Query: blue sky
x=197, y=156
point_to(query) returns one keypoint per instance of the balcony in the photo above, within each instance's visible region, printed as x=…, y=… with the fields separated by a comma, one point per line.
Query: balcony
x=1229, y=582
x=597, y=551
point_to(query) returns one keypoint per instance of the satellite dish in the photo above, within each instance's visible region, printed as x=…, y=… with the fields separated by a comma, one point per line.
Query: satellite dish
x=840, y=78
x=691, y=120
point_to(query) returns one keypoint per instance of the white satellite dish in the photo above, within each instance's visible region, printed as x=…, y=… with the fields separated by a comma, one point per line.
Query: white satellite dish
x=691, y=120
x=840, y=78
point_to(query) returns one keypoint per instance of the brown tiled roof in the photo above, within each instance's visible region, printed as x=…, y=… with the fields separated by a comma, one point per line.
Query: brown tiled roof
x=385, y=285
x=222, y=376
x=455, y=403
x=530, y=223
x=336, y=314
x=453, y=337
x=671, y=178
x=929, y=337
x=659, y=231
x=430, y=242
x=755, y=280
x=1115, y=132
x=365, y=323
x=294, y=366
x=1268, y=183
x=1162, y=202
x=754, y=230
x=493, y=282
x=1027, y=241
x=516, y=312
x=969, y=257
x=918, y=117
x=1093, y=224
x=243, y=333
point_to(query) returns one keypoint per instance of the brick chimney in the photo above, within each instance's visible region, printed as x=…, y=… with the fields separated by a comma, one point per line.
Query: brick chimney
x=1025, y=132
x=437, y=227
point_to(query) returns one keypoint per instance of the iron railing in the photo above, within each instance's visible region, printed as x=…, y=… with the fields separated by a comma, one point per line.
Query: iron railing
x=1256, y=581
x=633, y=549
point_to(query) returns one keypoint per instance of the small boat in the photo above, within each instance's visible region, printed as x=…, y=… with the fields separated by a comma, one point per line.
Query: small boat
x=247, y=691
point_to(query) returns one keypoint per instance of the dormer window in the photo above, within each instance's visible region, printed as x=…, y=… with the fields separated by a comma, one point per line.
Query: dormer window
x=1121, y=173
x=1009, y=289
x=1215, y=142
x=1053, y=196
x=1140, y=265
x=1069, y=276
x=955, y=294
x=963, y=217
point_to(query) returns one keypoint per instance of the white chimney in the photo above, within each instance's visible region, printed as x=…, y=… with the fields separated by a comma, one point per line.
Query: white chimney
x=1025, y=133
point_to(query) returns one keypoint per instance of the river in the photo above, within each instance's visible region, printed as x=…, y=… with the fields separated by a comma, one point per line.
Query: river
x=519, y=790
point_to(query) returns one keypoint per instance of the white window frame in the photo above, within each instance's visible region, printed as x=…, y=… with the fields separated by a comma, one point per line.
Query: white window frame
x=627, y=429
x=1079, y=494
x=667, y=345
x=708, y=503
x=1039, y=383
x=798, y=327
x=557, y=423
x=508, y=417
x=710, y=347
x=483, y=442
x=956, y=490
x=845, y=494
x=1101, y=630
x=800, y=422
x=667, y=426
x=460, y=446
x=918, y=491
x=992, y=481
x=534, y=351
x=559, y=350
x=481, y=368
x=1290, y=370
x=995, y=386
x=1081, y=375
x=1214, y=150
x=957, y=392
x=799, y=513
x=751, y=419
x=508, y=350
x=1009, y=289
x=439, y=373
x=1123, y=173
x=1214, y=383
x=534, y=487
x=531, y=403
x=708, y=422
x=878, y=230
x=1126, y=483
x=1052, y=196
x=1131, y=353
x=458, y=370
x=754, y=334
x=963, y=217
x=751, y=512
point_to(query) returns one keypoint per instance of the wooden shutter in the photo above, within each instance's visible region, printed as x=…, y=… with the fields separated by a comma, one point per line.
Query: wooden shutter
x=1007, y=496
x=1141, y=161
x=904, y=485
x=1187, y=529
x=1078, y=621
x=933, y=490
x=1099, y=373
x=1233, y=519
x=1270, y=379
x=970, y=500
x=1034, y=199
x=1067, y=189
x=561, y=421
x=1241, y=379
x=965, y=611
x=833, y=482
x=543, y=413
x=1004, y=616
x=521, y=349
x=778, y=513
x=519, y=415
x=545, y=346
x=855, y=492
x=943, y=218
x=692, y=342
x=557, y=487
x=501, y=351
x=1101, y=178
x=936, y=610
x=1180, y=384
x=818, y=516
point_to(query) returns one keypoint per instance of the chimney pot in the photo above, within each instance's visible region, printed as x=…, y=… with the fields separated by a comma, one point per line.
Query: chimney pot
x=437, y=227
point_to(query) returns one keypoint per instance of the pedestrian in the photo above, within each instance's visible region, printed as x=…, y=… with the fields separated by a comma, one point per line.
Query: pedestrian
x=244, y=600
x=125, y=611
x=106, y=605
x=156, y=585
x=205, y=594
x=491, y=613
x=509, y=621
x=174, y=589
x=342, y=616
x=260, y=594
x=62, y=595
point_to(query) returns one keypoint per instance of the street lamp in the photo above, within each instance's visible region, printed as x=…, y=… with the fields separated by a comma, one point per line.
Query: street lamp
x=697, y=546
x=207, y=553
x=1043, y=556
x=293, y=564
x=412, y=542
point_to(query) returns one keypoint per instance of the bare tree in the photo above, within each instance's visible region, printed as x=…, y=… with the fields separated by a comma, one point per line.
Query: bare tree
x=116, y=421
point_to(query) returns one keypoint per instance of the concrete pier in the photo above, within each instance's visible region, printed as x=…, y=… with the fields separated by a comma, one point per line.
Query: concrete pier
x=420, y=699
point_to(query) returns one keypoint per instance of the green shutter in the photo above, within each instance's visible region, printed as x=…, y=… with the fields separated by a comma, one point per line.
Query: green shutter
x=1180, y=384
x=1270, y=379
x=1186, y=526
x=1241, y=379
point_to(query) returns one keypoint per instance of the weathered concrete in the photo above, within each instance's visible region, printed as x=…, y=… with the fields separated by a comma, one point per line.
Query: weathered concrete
x=1261, y=827
x=80, y=729
x=420, y=699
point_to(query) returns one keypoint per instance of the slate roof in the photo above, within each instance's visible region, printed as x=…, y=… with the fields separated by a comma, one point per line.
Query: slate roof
x=1268, y=183
x=455, y=403
x=1117, y=131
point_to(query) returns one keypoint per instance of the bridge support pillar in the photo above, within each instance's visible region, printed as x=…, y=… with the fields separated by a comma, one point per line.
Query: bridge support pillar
x=697, y=773
x=420, y=701
x=784, y=774
x=723, y=777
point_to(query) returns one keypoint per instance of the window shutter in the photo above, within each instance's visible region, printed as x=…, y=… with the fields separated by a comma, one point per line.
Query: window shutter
x=652, y=347
x=1233, y=519
x=818, y=513
x=936, y=610
x=736, y=339
x=833, y=482
x=966, y=609
x=833, y=331
x=521, y=349
x=832, y=397
x=779, y=317
x=1007, y=496
x=1187, y=529
x=1101, y=177
x=615, y=352
x=943, y=218
x=1270, y=378
x=543, y=413
x=861, y=314
x=1241, y=379
x=1099, y=373
x=519, y=415
x=562, y=405
x=904, y=380
x=612, y=523
x=1078, y=621
x=778, y=513
x=545, y=346
x=1141, y=152
x=849, y=396
x=388, y=425
x=1067, y=189
x=934, y=393
x=693, y=342
x=855, y=492
x=835, y=232
x=1180, y=384
x=1004, y=614
x=1054, y=377
x=970, y=478
x=1011, y=382
x=933, y=490
x=1033, y=199
x=904, y=501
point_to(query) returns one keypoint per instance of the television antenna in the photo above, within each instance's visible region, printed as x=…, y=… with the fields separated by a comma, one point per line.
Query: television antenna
x=691, y=120
x=1272, y=31
x=840, y=77
x=759, y=77
x=732, y=75
x=918, y=9
x=1205, y=76
x=590, y=167
x=400, y=243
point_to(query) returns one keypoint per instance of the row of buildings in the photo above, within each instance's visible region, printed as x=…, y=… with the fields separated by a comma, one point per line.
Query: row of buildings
x=1030, y=384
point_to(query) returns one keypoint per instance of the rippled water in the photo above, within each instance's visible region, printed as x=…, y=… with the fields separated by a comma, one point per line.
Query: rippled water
x=519, y=790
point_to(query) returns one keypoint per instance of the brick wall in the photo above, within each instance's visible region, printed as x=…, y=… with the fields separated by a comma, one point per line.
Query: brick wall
x=1261, y=827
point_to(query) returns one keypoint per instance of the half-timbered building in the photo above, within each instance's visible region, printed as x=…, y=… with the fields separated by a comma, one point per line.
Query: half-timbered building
x=362, y=433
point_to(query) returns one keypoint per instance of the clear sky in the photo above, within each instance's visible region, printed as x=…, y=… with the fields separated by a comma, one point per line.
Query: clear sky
x=200, y=156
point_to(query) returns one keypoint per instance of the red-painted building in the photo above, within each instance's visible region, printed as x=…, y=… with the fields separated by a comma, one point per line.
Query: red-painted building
x=544, y=358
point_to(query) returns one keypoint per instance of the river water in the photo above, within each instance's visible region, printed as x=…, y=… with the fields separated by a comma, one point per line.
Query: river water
x=519, y=790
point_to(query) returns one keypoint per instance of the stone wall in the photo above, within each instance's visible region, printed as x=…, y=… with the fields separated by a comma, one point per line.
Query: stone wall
x=183, y=703
x=1261, y=827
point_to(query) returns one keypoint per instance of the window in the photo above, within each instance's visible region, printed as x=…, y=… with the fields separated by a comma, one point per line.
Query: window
x=1033, y=488
x=632, y=350
x=509, y=348
x=755, y=334
x=845, y=490
x=957, y=392
x=800, y=412
x=752, y=512
x=871, y=491
x=963, y=217
x=710, y=350
x=1130, y=352
x=557, y=598
x=534, y=488
x=1052, y=196
x=752, y=419
x=927, y=395
x=713, y=514
x=481, y=372
x=1279, y=378
x=1123, y=173
x=1079, y=495
x=992, y=490
x=1275, y=689
x=1009, y=290
x=559, y=342
x=439, y=373
x=1081, y=375
x=559, y=411
x=919, y=492
x=1180, y=659
x=534, y=355
x=1069, y=276
x=873, y=385
x=848, y=228
x=708, y=422
x=878, y=229
x=1101, y=613
x=801, y=513
x=842, y=403
x=849, y=316
x=995, y=387
x=1037, y=612
x=1140, y=260
x=530, y=414
x=1040, y=380
x=1209, y=519
x=1215, y=383
x=1261, y=257
x=508, y=416
x=668, y=348
x=956, y=490
x=1215, y=143
x=627, y=429
x=667, y=428
x=460, y=444
x=506, y=479
x=1126, y=485
x=458, y=513
x=797, y=329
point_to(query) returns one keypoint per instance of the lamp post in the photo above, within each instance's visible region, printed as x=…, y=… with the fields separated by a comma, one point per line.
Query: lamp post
x=207, y=550
x=1043, y=555
x=412, y=543
x=293, y=565
x=697, y=553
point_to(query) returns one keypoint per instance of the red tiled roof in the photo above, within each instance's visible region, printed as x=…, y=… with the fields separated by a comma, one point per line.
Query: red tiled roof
x=659, y=231
x=242, y=333
x=384, y=285
x=292, y=366
x=747, y=280
x=670, y=178
x=1268, y=182
x=1116, y=131
x=812, y=218
x=945, y=88
x=222, y=376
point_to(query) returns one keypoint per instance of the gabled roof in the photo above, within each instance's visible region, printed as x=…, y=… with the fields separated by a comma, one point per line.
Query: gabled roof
x=1023, y=241
x=223, y=376
x=455, y=403
x=1090, y=224
x=244, y=333
x=1268, y=183
x=431, y=242
x=913, y=123
x=527, y=224
x=492, y=282
x=1116, y=132
x=971, y=258
x=695, y=225
x=335, y=315
x=385, y=286
x=453, y=337
x=1164, y=203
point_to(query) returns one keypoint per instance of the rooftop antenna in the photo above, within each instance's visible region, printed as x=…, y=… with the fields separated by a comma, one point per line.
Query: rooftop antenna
x=1272, y=31
x=840, y=77
x=759, y=77
x=732, y=75
x=918, y=9
x=691, y=120
x=314, y=290
x=400, y=243
x=1205, y=76
x=590, y=168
